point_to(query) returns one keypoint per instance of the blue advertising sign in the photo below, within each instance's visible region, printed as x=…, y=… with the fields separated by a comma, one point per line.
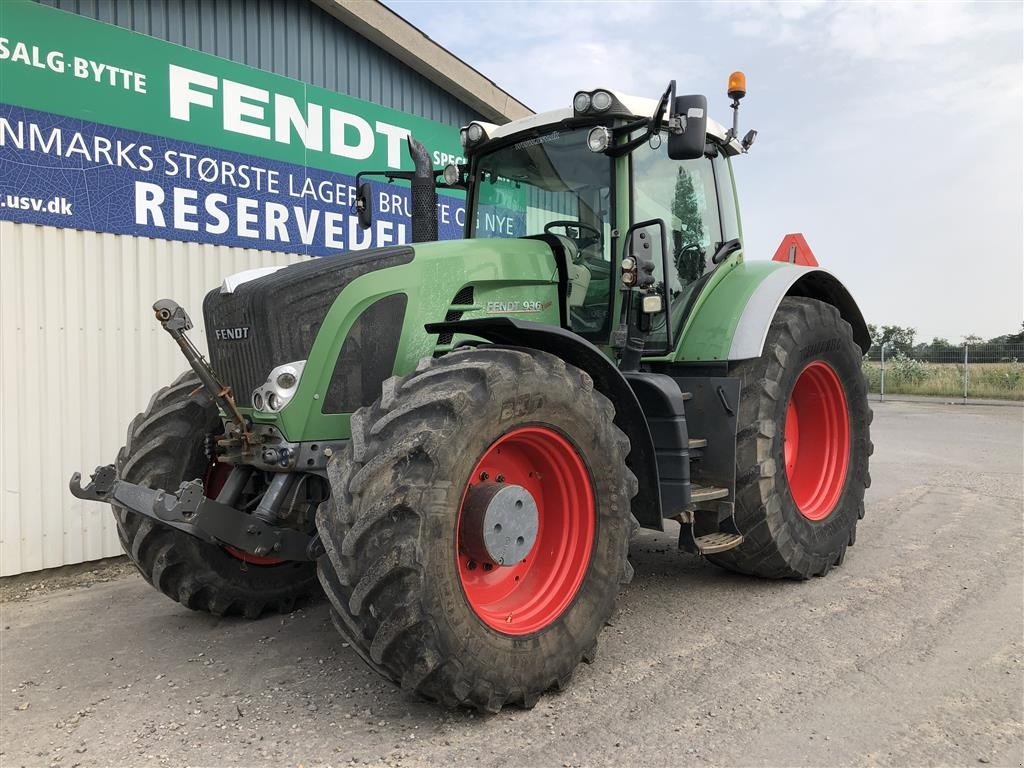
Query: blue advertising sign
x=67, y=172
x=108, y=130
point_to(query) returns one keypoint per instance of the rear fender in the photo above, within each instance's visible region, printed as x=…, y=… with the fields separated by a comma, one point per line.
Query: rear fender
x=732, y=321
x=608, y=380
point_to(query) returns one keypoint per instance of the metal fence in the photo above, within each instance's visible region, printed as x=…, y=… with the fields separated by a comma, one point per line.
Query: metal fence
x=968, y=371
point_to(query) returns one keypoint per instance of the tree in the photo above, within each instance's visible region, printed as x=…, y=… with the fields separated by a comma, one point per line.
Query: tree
x=900, y=340
x=1015, y=339
x=896, y=338
x=938, y=350
x=686, y=208
x=689, y=245
x=1008, y=339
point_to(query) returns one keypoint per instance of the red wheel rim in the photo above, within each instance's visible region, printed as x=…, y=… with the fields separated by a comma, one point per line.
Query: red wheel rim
x=529, y=596
x=817, y=440
x=214, y=479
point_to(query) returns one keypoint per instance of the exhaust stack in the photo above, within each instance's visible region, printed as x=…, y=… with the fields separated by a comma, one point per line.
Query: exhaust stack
x=424, y=194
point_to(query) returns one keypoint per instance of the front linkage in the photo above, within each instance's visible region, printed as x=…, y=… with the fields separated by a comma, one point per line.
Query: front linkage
x=216, y=521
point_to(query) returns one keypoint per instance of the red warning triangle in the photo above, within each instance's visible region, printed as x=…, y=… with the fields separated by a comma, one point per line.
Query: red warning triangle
x=795, y=250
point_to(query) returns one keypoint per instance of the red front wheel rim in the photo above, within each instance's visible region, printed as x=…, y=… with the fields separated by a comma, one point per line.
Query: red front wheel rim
x=527, y=597
x=214, y=479
x=817, y=440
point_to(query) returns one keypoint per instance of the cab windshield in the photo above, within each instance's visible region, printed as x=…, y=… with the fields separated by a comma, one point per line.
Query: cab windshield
x=553, y=184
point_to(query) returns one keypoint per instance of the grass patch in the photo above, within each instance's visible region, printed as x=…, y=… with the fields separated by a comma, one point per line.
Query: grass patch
x=906, y=376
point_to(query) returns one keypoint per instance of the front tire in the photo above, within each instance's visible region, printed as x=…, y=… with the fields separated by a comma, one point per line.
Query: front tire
x=411, y=591
x=803, y=442
x=168, y=443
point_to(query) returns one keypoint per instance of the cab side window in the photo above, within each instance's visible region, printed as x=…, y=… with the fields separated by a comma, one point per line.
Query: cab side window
x=726, y=197
x=694, y=227
x=683, y=194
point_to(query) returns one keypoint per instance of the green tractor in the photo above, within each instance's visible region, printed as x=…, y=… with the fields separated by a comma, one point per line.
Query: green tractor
x=457, y=440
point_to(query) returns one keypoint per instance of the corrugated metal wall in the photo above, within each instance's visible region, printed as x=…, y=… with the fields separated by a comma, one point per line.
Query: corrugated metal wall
x=293, y=38
x=80, y=355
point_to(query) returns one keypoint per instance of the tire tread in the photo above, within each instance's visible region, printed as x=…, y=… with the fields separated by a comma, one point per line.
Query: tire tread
x=770, y=551
x=372, y=572
x=160, y=445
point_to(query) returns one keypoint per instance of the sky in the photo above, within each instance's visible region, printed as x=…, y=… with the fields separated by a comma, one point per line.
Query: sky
x=889, y=133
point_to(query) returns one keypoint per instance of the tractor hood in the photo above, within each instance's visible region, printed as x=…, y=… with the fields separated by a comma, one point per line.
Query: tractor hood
x=354, y=319
x=261, y=323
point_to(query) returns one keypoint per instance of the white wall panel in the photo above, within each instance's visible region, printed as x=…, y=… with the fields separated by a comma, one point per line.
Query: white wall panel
x=80, y=355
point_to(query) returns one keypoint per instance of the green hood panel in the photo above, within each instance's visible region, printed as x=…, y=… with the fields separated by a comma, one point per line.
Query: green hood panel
x=515, y=277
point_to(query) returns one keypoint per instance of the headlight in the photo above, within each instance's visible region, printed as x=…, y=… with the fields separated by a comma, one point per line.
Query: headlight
x=451, y=174
x=601, y=100
x=581, y=101
x=276, y=392
x=598, y=139
x=463, y=137
x=474, y=132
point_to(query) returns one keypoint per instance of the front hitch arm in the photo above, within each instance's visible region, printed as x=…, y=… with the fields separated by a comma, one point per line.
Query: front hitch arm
x=176, y=322
x=191, y=511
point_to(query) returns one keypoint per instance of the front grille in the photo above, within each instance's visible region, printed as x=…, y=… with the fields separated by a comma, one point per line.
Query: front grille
x=275, y=319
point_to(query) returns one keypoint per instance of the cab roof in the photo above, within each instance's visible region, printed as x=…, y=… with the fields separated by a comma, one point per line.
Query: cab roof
x=638, y=106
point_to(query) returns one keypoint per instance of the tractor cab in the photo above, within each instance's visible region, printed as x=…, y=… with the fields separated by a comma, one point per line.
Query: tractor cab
x=614, y=183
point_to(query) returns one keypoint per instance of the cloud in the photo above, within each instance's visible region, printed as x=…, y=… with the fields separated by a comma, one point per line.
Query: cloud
x=876, y=31
x=889, y=132
x=902, y=31
x=543, y=53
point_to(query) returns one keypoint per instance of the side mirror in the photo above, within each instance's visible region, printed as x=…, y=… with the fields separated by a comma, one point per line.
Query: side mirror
x=688, y=127
x=364, y=205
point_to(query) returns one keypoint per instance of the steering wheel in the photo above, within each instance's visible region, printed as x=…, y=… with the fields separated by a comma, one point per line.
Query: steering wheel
x=690, y=263
x=596, y=235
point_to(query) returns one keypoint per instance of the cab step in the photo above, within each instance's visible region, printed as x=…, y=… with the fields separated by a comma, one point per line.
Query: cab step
x=719, y=541
x=700, y=494
x=697, y=442
x=715, y=514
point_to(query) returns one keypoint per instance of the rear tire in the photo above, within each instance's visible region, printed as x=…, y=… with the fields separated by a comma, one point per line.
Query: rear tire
x=394, y=564
x=795, y=525
x=167, y=444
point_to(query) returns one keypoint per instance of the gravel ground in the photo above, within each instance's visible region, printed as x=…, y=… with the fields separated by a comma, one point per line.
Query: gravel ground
x=910, y=654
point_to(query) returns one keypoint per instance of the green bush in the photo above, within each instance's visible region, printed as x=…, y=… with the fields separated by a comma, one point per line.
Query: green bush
x=906, y=376
x=873, y=373
x=903, y=370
